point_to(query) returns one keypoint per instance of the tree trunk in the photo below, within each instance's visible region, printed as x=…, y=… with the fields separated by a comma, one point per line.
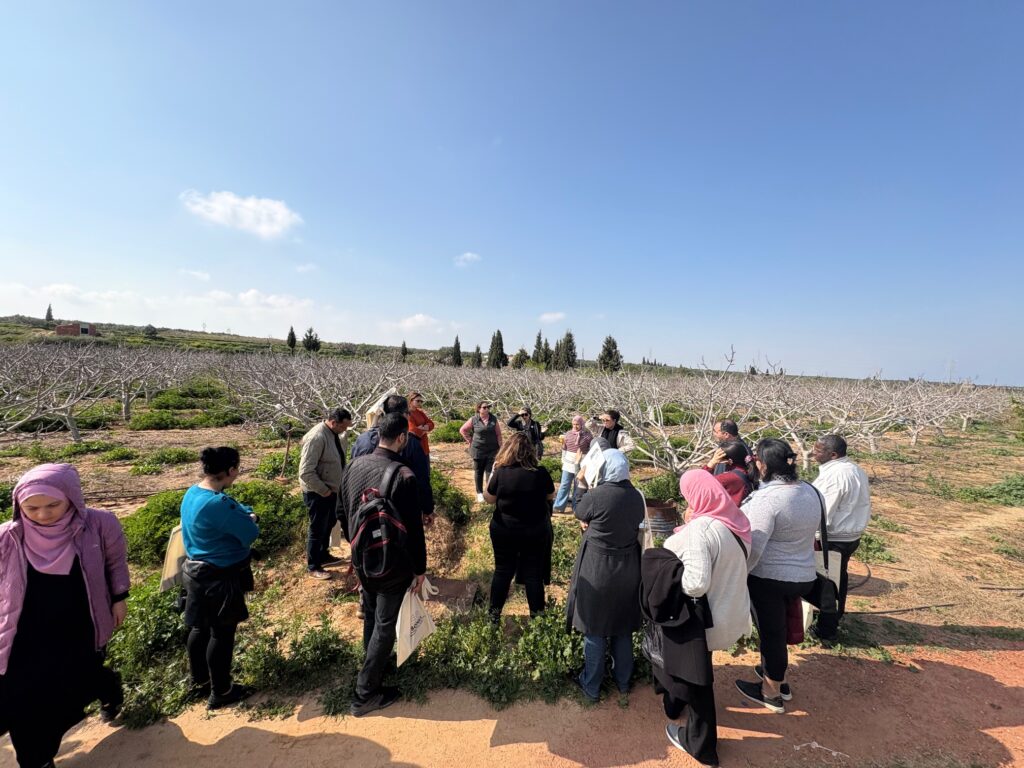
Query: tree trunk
x=69, y=419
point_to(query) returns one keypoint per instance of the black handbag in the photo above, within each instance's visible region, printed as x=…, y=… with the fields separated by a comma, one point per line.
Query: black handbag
x=823, y=595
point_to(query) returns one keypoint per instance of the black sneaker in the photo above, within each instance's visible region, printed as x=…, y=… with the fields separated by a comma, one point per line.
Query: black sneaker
x=815, y=632
x=383, y=699
x=672, y=731
x=234, y=694
x=198, y=691
x=753, y=692
x=784, y=690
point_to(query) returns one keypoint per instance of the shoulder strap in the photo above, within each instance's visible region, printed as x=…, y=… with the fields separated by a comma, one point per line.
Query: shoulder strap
x=823, y=524
x=743, y=547
x=387, y=482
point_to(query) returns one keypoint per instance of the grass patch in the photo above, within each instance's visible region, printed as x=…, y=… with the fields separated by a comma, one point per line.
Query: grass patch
x=940, y=488
x=1006, y=549
x=874, y=549
x=886, y=524
x=1007, y=493
x=891, y=457
x=120, y=453
x=449, y=500
x=146, y=468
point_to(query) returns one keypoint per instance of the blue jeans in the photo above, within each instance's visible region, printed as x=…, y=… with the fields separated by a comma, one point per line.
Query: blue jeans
x=567, y=484
x=594, y=648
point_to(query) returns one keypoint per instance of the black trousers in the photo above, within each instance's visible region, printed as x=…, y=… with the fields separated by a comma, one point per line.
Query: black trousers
x=379, y=632
x=523, y=552
x=697, y=702
x=480, y=466
x=828, y=624
x=210, y=650
x=768, y=599
x=323, y=513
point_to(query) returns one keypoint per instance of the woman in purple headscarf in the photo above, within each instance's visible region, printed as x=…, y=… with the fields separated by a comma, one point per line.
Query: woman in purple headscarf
x=63, y=586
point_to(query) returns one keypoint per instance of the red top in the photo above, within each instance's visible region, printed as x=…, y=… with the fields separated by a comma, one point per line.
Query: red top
x=733, y=484
x=417, y=420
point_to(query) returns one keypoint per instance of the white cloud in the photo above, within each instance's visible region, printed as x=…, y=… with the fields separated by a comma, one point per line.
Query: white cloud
x=304, y=268
x=467, y=258
x=552, y=317
x=197, y=274
x=259, y=215
x=417, y=322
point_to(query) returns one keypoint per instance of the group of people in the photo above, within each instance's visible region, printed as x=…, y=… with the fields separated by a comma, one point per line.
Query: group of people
x=64, y=578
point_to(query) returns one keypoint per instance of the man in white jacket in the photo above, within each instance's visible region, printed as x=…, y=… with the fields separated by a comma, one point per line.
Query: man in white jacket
x=847, y=512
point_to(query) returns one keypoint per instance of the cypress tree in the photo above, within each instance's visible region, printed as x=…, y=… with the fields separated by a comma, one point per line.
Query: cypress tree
x=457, y=353
x=569, y=350
x=549, y=356
x=538, y=351
x=49, y=313
x=291, y=340
x=496, y=357
x=610, y=359
x=311, y=342
x=520, y=358
x=476, y=360
x=404, y=351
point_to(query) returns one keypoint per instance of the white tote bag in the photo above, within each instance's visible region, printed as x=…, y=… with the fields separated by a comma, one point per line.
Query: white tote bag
x=414, y=622
x=174, y=558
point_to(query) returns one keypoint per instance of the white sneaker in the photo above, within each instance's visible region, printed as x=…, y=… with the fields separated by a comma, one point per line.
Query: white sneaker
x=480, y=498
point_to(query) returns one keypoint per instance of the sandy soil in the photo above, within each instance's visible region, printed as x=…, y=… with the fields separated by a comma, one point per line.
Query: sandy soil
x=964, y=706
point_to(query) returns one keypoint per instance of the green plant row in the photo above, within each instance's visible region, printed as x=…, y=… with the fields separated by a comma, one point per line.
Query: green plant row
x=449, y=500
x=531, y=659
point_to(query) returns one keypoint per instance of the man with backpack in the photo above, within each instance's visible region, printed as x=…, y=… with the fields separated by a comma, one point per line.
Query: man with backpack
x=411, y=455
x=379, y=495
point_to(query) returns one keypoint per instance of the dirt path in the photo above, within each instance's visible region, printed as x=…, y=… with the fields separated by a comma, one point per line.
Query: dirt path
x=967, y=707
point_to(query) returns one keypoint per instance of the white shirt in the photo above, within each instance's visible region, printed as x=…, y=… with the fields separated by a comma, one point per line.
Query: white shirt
x=847, y=495
x=714, y=565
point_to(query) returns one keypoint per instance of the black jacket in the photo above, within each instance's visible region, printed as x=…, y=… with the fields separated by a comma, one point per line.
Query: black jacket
x=683, y=619
x=367, y=472
x=533, y=431
x=412, y=456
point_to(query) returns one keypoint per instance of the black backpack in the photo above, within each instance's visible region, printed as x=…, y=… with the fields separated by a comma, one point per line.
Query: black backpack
x=378, y=534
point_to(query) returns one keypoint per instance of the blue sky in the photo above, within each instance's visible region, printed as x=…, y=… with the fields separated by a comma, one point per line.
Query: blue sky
x=836, y=187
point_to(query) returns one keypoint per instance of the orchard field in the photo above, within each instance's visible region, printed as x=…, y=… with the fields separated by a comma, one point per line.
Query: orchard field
x=928, y=671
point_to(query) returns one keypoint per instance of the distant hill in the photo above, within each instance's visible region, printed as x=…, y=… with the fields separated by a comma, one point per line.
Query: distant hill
x=18, y=329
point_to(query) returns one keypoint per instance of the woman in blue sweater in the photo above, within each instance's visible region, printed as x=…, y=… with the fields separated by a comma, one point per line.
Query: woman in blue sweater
x=218, y=533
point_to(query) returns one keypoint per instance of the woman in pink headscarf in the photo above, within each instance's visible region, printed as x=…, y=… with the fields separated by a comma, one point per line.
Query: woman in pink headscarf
x=63, y=586
x=713, y=546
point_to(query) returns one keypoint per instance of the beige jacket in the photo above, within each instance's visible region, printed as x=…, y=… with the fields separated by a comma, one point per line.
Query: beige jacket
x=320, y=467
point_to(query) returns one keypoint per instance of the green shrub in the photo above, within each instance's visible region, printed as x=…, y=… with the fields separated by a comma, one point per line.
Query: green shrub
x=149, y=652
x=681, y=442
x=557, y=427
x=553, y=465
x=874, y=549
x=1007, y=493
x=281, y=514
x=674, y=415
x=270, y=465
x=173, y=456
x=663, y=487
x=120, y=453
x=148, y=529
x=146, y=468
x=6, y=501
x=216, y=417
x=155, y=420
x=447, y=433
x=449, y=500
x=566, y=543
x=893, y=457
x=41, y=453
x=98, y=415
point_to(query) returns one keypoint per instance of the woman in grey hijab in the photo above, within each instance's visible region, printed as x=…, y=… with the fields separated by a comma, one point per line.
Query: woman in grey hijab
x=602, y=602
